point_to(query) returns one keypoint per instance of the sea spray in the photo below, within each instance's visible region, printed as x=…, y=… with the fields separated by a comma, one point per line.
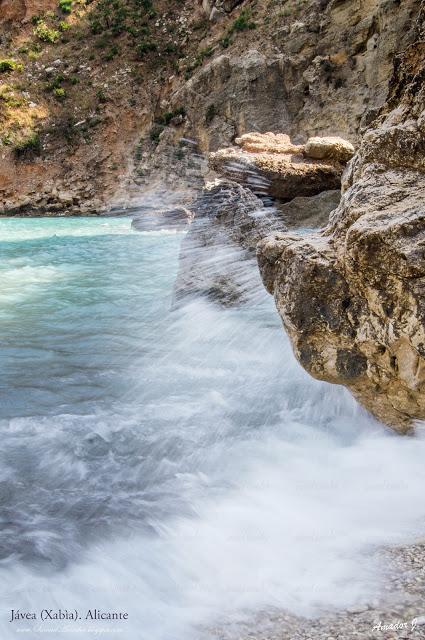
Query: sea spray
x=177, y=465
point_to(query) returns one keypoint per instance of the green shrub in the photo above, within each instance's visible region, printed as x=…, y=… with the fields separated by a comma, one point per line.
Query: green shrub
x=113, y=51
x=155, y=133
x=242, y=22
x=9, y=98
x=101, y=96
x=8, y=64
x=144, y=47
x=45, y=33
x=55, y=83
x=210, y=114
x=165, y=118
x=109, y=15
x=59, y=93
x=63, y=26
x=118, y=16
x=28, y=147
x=171, y=48
x=65, y=6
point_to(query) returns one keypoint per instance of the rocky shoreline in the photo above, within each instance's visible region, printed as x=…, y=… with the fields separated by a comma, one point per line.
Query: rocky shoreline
x=398, y=613
x=351, y=296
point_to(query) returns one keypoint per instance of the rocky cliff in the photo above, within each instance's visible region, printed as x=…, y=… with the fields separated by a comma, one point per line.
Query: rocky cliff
x=101, y=101
x=253, y=198
x=352, y=296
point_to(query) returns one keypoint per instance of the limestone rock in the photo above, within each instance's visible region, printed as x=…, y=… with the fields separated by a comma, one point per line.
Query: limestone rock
x=352, y=297
x=270, y=165
x=323, y=72
x=267, y=142
x=213, y=8
x=332, y=148
x=229, y=5
x=309, y=212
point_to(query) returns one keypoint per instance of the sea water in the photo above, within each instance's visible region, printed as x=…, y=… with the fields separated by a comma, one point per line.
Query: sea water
x=177, y=466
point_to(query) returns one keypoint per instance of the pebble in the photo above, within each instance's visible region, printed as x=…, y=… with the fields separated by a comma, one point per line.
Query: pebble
x=401, y=601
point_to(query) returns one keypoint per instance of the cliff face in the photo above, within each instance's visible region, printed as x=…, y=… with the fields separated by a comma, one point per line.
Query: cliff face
x=107, y=105
x=352, y=297
x=233, y=213
x=21, y=11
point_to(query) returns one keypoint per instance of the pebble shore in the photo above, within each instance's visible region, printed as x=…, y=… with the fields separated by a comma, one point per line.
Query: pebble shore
x=397, y=614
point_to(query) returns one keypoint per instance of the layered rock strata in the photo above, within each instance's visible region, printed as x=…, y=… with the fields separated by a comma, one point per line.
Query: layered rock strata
x=270, y=165
x=229, y=221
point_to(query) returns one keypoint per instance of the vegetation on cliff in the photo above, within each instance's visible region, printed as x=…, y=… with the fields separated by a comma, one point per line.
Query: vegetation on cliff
x=113, y=90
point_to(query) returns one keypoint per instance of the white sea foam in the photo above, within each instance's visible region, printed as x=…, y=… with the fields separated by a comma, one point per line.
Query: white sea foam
x=23, y=229
x=218, y=481
x=21, y=282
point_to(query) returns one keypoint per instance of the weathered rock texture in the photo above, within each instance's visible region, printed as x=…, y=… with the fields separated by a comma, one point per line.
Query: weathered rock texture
x=310, y=212
x=23, y=10
x=271, y=165
x=309, y=68
x=352, y=297
x=230, y=219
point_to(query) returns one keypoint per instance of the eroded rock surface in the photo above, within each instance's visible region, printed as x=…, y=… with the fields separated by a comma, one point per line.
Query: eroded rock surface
x=269, y=164
x=352, y=297
x=310, y=212
x=230, y=219
x=125, y=123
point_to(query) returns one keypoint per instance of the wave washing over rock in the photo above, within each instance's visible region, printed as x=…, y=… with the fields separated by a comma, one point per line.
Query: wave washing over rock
x=164, y=455
x=179, y=465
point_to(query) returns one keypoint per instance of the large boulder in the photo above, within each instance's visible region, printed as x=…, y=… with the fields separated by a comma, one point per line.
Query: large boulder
x=352, y=298
x=330, y=148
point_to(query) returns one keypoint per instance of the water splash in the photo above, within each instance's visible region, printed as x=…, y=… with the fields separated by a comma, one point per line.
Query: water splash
x=180, y=465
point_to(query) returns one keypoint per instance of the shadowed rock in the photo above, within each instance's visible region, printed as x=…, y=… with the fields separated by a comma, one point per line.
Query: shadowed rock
x=309, y=212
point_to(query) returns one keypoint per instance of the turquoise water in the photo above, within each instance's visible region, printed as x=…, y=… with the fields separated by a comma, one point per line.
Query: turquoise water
x=177, y=465
x=74, y=305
